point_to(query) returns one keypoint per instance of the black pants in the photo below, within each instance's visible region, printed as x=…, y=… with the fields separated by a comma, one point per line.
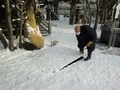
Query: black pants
x=90, y=50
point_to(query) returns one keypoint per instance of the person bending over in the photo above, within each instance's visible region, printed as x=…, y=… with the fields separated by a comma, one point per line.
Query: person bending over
x=86, y=36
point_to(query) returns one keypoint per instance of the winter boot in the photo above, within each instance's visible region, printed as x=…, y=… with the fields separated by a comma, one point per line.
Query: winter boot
x=88, y=57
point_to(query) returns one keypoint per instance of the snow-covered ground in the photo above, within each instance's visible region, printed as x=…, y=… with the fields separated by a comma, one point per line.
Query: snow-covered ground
x=34, y=70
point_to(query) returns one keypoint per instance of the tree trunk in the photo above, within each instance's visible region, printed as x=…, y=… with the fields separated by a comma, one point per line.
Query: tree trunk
x=72, y=12
x=89, y=12
x=102, y=18
x=97, y=14
x=3, y=40
x=77, y=19
x=21, y=28
x=104, y=12
x=56, y=7
x=90, y=16
x=9, y=24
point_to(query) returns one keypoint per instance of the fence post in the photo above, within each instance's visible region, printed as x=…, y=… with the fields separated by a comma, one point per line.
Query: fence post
x=49, y=18
x=49, y=26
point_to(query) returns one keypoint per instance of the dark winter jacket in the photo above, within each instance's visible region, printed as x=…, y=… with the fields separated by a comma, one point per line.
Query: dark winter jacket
x=87, y=34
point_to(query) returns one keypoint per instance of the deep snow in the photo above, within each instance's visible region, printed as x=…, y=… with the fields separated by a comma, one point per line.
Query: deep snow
x=33, y=70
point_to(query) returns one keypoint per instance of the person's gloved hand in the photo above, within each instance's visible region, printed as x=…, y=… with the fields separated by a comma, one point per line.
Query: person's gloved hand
x=89, y=43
